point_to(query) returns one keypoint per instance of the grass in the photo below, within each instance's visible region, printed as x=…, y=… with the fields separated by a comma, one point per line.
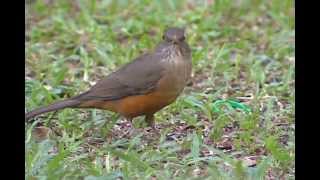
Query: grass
x=241, y=51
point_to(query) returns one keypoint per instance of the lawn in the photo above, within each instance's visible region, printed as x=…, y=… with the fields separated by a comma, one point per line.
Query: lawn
x=234, y=120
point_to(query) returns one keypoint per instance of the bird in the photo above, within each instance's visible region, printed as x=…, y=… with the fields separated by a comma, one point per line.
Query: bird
x=142, y=87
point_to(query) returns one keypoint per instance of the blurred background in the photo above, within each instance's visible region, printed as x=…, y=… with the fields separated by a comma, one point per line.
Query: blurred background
x=243, y=57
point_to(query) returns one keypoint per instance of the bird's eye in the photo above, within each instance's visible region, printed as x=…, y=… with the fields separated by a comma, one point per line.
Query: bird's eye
x=182, y=38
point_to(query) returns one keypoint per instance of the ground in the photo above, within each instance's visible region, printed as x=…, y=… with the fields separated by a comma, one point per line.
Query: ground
x=234, y=120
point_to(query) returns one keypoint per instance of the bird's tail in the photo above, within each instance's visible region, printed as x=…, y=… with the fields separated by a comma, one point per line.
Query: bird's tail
x=53, y=107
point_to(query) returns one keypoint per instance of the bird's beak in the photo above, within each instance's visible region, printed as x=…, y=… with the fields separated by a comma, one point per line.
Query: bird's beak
x=175, y=41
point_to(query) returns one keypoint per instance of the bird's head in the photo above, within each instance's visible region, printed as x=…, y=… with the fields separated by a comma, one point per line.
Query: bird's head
x=174, y=35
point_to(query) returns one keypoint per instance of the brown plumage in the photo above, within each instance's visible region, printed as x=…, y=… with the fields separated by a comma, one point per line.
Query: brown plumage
x=142, y=87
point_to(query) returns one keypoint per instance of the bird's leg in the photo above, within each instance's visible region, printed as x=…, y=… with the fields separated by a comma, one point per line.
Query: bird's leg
x=150, y=120
x=152, y=134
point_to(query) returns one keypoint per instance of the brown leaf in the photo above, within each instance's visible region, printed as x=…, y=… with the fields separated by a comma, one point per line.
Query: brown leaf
x=250, y=161
x=41, y=133
x=225, y=143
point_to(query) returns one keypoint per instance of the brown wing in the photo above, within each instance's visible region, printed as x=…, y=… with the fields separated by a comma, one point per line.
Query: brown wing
x=138, y=77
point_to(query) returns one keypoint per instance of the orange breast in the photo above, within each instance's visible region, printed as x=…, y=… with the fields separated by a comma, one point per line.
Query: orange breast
x=133, y=106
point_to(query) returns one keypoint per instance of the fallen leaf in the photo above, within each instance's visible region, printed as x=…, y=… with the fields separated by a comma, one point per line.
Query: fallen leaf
x=250, y=161
x=40, y=133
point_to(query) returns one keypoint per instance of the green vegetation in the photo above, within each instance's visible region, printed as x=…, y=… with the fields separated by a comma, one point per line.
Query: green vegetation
x=235, y=120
